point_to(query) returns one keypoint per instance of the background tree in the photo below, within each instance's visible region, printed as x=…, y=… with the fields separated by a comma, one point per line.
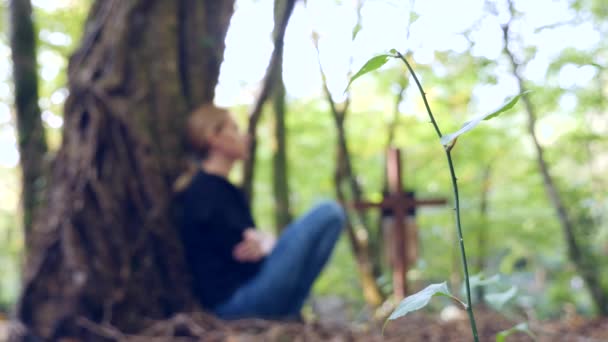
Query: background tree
x=282, y=9
x=574, y=233
x=272, y=87
x=106, y=233
x=347, y=186
x=32, y=141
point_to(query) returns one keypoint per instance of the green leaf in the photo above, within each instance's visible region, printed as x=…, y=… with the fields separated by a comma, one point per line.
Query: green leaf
x=413, y=17
x=599, y=66
x=419, y=300
x=506, y=106
x=448, y=139
x=371, y=65
x=498, y=300
x=521, y=327
x=356, y=31
x=479, y=280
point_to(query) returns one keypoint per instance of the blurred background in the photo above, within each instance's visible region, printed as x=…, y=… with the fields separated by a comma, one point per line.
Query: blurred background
x=556, y=48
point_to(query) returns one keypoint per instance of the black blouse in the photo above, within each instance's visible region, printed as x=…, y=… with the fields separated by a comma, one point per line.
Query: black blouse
x=212, y=216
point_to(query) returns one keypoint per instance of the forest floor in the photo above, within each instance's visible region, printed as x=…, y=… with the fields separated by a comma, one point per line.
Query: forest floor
x=414, y=327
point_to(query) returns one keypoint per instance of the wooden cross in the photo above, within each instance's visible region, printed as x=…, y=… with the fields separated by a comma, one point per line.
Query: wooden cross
x=399, y=203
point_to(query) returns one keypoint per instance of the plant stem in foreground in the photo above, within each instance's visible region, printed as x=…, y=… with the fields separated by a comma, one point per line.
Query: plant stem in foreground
x=462, y=249
x=456, y=199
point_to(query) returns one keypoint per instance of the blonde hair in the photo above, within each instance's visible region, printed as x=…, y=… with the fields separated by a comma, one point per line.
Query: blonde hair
x=202, y=123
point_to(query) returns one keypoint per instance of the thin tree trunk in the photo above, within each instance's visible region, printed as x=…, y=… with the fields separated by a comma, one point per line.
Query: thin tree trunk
x=347, y=174
x=32, y=142
x=280, y=168
x=344, y=174
x=106, y=233
x=371, y=291
x=587, y=268
x=274, y=67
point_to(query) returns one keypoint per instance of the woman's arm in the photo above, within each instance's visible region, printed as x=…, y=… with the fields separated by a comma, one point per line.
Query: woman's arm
x=255, y=245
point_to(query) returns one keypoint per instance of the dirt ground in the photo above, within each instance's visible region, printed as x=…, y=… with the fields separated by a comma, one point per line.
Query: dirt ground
x=415, y=327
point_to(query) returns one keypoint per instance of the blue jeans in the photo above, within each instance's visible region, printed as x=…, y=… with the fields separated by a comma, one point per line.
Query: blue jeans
x=288, y=273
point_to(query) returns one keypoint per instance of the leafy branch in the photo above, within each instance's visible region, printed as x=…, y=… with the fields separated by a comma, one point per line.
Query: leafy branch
x=448, y=151
x=421, y=299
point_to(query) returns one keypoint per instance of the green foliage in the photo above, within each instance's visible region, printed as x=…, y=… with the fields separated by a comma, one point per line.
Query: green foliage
x=573, y=56
x=420, y=299
x=356, y=31
x=59, y=32
x=11, y=240
x=521, y=327
x=479, y=280
x=369, y=66
x=498, y=300
x=597, y=7
x=449, y=139
x=3, y=16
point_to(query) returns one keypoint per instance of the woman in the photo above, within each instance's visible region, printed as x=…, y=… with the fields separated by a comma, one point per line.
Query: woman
x=238, y=271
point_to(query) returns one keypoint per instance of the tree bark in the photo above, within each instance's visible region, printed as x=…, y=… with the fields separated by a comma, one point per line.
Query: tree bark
x=274, y=68
x=587, y=268
x=32, y=142
x=106, y=248
x=280, y=168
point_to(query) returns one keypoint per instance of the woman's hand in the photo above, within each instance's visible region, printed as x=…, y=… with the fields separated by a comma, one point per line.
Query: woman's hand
x=255, y=246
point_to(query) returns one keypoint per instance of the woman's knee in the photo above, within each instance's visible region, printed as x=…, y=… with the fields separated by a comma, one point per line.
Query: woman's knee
x=333, y=212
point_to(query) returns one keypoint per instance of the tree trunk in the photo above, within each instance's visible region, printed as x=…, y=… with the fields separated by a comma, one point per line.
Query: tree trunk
x=32, y=142
x=587, y=267
x=280, y=174
x=105, y=248
x=274, y=67
x=371, y=291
